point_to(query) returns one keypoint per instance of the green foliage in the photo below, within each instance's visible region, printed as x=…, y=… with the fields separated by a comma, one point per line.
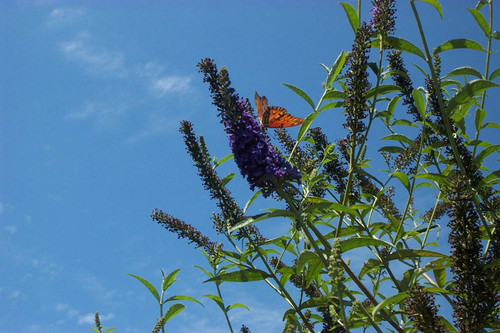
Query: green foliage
x=362, y=249
x=173, y=310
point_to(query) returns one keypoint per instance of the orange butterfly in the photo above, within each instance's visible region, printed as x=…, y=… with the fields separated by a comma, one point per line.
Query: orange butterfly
x=274, y=116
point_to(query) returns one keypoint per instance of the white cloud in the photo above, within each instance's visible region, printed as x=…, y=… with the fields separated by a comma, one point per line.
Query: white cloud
x=89, y=318
x=96, y=60
x=102, y=114
x=46, y=269
x=169, y=84
x=156, y=126
x=86, y=319
x=14, y=294
x=54, y=197
x=91, y=283
x=10, y=229
x=149, y=78
x=63, y=16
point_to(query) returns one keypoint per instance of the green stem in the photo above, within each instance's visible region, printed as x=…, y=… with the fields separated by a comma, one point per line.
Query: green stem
x=446, y=121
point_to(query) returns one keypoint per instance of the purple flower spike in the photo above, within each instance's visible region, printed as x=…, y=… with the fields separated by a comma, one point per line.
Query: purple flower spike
x=254, y=155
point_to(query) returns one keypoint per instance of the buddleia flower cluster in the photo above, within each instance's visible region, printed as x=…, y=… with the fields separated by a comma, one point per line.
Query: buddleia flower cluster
x=255, y=157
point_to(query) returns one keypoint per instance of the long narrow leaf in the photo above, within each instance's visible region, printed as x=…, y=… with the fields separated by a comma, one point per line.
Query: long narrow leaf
x=389, y=301
x=436, y=4
x=352, y=16
x=301, y=93
x=355, y=242
x=173, y=311
x=460, y=43
x=168, y=280
x=244, y=275
x=468, y=91
x=399, y=44
x=481, y=21
x=183, y=298
x=148, y=285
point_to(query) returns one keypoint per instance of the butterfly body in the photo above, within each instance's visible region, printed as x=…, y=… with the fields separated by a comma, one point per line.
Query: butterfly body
x=274, y=116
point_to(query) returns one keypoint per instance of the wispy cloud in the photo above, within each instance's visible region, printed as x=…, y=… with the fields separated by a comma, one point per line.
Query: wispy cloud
x=102, y=114
x=82, y=319
x=95, y=60
x=91, y=283
x=89, y=318
x=146, y=85
x=155, y=126
x=65, y=15
x=10, y=229
x=171, y=84
x=46, y=269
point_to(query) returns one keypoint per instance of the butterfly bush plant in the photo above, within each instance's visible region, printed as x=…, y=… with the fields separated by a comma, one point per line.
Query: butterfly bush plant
x=436, y=177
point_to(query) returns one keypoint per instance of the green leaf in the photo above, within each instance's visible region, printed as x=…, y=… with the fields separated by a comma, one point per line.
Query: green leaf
x=332, y=105
x=381, y=90
x=368, y=266
x=481, y=21
x=395, y=299
x=173, y=311
x=440, y=276
x=492, y=125
x=148, y=285
x=228, y=178
x=495, y=74
x=237, y=305
x=467, y=92
x=392, y=104
x=435, y=177
x=109, y=330
x=305, y=125
x=301, y=93
x=167, y=281
x=334, y=94
x=252, y=199
x=315, y=302
x=403, y=178
x=465, y=70
x=419, y=102
x=460, y=43
x=409, y=253
x=479, y=118
x=352, y=16
x=495, y=34
x=259, y=217
x=336, y=69
x=224, y=159
x=355, y=242
x=436, y=4
x=401, y=44
x=183, y=298
x=217, y=300
x=244, y=275
x=400, y=138
x=328, y=205
x=490, y=179
x=307, y=257
x=486, y=152
x=204, y=271
x=392, y=149
x=95, y=329
x=314, y=269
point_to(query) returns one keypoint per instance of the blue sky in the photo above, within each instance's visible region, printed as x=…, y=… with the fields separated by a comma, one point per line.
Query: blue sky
x=91, y=98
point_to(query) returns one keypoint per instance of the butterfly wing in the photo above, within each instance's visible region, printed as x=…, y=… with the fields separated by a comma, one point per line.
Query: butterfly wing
x=262, y=109
x=279, y=117
x=274, y=116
